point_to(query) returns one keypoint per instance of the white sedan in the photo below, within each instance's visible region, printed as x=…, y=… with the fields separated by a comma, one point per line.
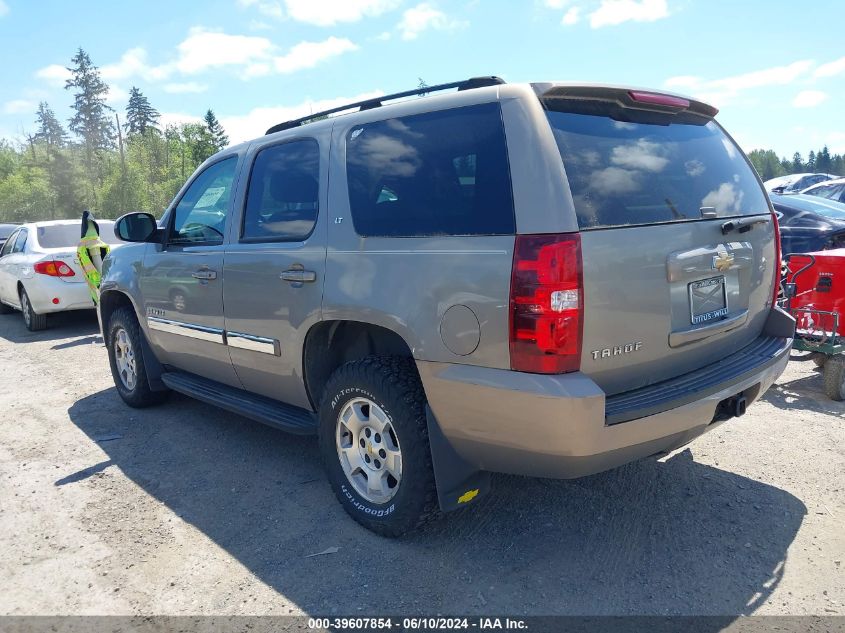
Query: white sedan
x=40, y=272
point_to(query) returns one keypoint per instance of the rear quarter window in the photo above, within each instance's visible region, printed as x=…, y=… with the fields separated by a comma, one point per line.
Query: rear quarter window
x=438, y=173
x=624, y=173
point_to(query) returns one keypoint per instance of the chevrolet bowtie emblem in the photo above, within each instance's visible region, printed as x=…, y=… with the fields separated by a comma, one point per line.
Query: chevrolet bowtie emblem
x=723, y=261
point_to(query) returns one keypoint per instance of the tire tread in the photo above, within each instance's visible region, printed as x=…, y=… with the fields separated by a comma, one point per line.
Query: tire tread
x=390, y=376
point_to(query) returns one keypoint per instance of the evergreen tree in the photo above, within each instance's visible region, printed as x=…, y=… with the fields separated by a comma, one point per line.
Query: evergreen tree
x=140, y=115
x=219, y=140
x=50, y=131
x=90, y=120
x=797, y=163
x=823, y=160
x=811, y=161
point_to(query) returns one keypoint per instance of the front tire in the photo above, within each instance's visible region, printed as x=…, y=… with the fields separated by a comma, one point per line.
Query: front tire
x=374, y=444
x=127, y=361
x=33, y=322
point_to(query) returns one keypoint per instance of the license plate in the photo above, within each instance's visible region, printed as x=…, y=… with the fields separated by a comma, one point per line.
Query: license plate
x=708, y=300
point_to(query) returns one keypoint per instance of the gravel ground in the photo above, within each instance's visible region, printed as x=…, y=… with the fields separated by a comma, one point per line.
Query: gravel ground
x=185, y=509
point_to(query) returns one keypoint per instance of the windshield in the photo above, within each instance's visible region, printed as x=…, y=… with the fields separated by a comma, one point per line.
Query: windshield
x=629, y=172
x=68, y=235
x=811, y=204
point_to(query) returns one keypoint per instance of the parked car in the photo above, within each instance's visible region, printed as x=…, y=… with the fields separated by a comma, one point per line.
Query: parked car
x=40, y=273
x=5, y=232
x=794, y=183
x=425, y=287
x=830, y=189
x=809, y=223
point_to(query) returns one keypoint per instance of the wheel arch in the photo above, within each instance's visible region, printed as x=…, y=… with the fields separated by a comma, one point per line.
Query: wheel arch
x=330, y=344
x=112, y=300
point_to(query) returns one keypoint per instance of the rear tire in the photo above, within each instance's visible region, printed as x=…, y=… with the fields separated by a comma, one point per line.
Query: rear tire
x=127, y=361
x=33, y=322
x=377, y=405
x=834, y=378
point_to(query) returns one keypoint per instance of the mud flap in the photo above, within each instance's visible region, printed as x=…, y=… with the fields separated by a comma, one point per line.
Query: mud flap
x=151, y=364
x=459, y=483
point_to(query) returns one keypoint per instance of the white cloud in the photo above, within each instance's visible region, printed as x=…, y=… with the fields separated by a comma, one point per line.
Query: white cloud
x=809, y=98
x=19, y=106
x=191, y=87
x=55, y=74
x=116, y=95
x=613, y=12
x=203, y=50
x=571, y=17
x=309, y=54
x=330, y=12
x=4, y=8
x=270, y=8
x=256, y=122
x=831, y=69
x=321, y=12
x=177, y=118
x=422, y=17
x=720, y=91
x=556, y=4
x=133, y=62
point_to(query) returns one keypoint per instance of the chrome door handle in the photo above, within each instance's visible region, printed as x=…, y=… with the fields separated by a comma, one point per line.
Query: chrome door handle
x=299, y=275
x=204, y=273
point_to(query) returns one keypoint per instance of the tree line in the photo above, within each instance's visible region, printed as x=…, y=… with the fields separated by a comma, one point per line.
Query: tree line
x=109, y=166
x=769, y=166
x=98, y=161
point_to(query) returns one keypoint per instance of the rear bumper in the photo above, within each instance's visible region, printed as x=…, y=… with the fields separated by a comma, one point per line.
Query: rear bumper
x=71, y=295
x=558, y=426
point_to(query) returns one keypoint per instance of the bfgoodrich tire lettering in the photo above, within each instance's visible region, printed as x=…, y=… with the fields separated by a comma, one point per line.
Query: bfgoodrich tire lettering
x=391, y=383
x=123, y=331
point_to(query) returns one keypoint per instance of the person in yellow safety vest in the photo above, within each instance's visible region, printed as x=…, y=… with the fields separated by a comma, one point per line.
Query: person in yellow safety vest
x=91, y=253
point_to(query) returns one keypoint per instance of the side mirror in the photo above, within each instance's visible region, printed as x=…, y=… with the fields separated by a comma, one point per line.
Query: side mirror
x=136, y=227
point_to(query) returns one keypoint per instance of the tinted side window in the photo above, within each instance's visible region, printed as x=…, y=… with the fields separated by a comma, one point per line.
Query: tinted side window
x=200, y=216
x=8, y=244
x=439, y=173
x=20, y=242
x=282, y=198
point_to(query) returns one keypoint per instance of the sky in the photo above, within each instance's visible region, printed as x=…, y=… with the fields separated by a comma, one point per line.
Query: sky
x=775, y=69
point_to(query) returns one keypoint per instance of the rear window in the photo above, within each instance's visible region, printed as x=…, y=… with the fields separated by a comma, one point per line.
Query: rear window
x=439, y=173
x=626, y=173
x=68, y=235
x=58, y=236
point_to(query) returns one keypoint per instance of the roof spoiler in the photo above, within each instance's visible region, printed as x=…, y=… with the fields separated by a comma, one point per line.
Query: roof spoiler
x=632, y=99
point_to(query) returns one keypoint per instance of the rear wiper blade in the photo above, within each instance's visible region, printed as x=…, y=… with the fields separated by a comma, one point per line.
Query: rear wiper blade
x=742, y=225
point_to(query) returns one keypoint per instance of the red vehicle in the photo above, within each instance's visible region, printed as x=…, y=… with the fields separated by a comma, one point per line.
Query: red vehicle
x=815, y=292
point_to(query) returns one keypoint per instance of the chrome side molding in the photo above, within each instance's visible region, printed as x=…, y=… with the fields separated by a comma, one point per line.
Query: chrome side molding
x=240, y=340
x=192, y=330
x=253, y=343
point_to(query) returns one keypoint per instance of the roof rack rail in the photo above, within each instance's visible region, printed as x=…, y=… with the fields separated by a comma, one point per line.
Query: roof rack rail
x=377, y=102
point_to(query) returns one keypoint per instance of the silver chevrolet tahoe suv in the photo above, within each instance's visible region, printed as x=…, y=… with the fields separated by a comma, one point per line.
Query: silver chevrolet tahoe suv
x=542, y=279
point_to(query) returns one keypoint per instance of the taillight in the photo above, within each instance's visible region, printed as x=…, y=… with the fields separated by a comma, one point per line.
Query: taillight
x=776, y=291
x=54, y=269
x=546, y=304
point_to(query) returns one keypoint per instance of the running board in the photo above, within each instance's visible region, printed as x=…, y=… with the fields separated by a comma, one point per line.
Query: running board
x=277, y=414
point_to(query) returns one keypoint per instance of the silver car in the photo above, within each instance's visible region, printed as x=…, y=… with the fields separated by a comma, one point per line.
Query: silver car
x=541, y=279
